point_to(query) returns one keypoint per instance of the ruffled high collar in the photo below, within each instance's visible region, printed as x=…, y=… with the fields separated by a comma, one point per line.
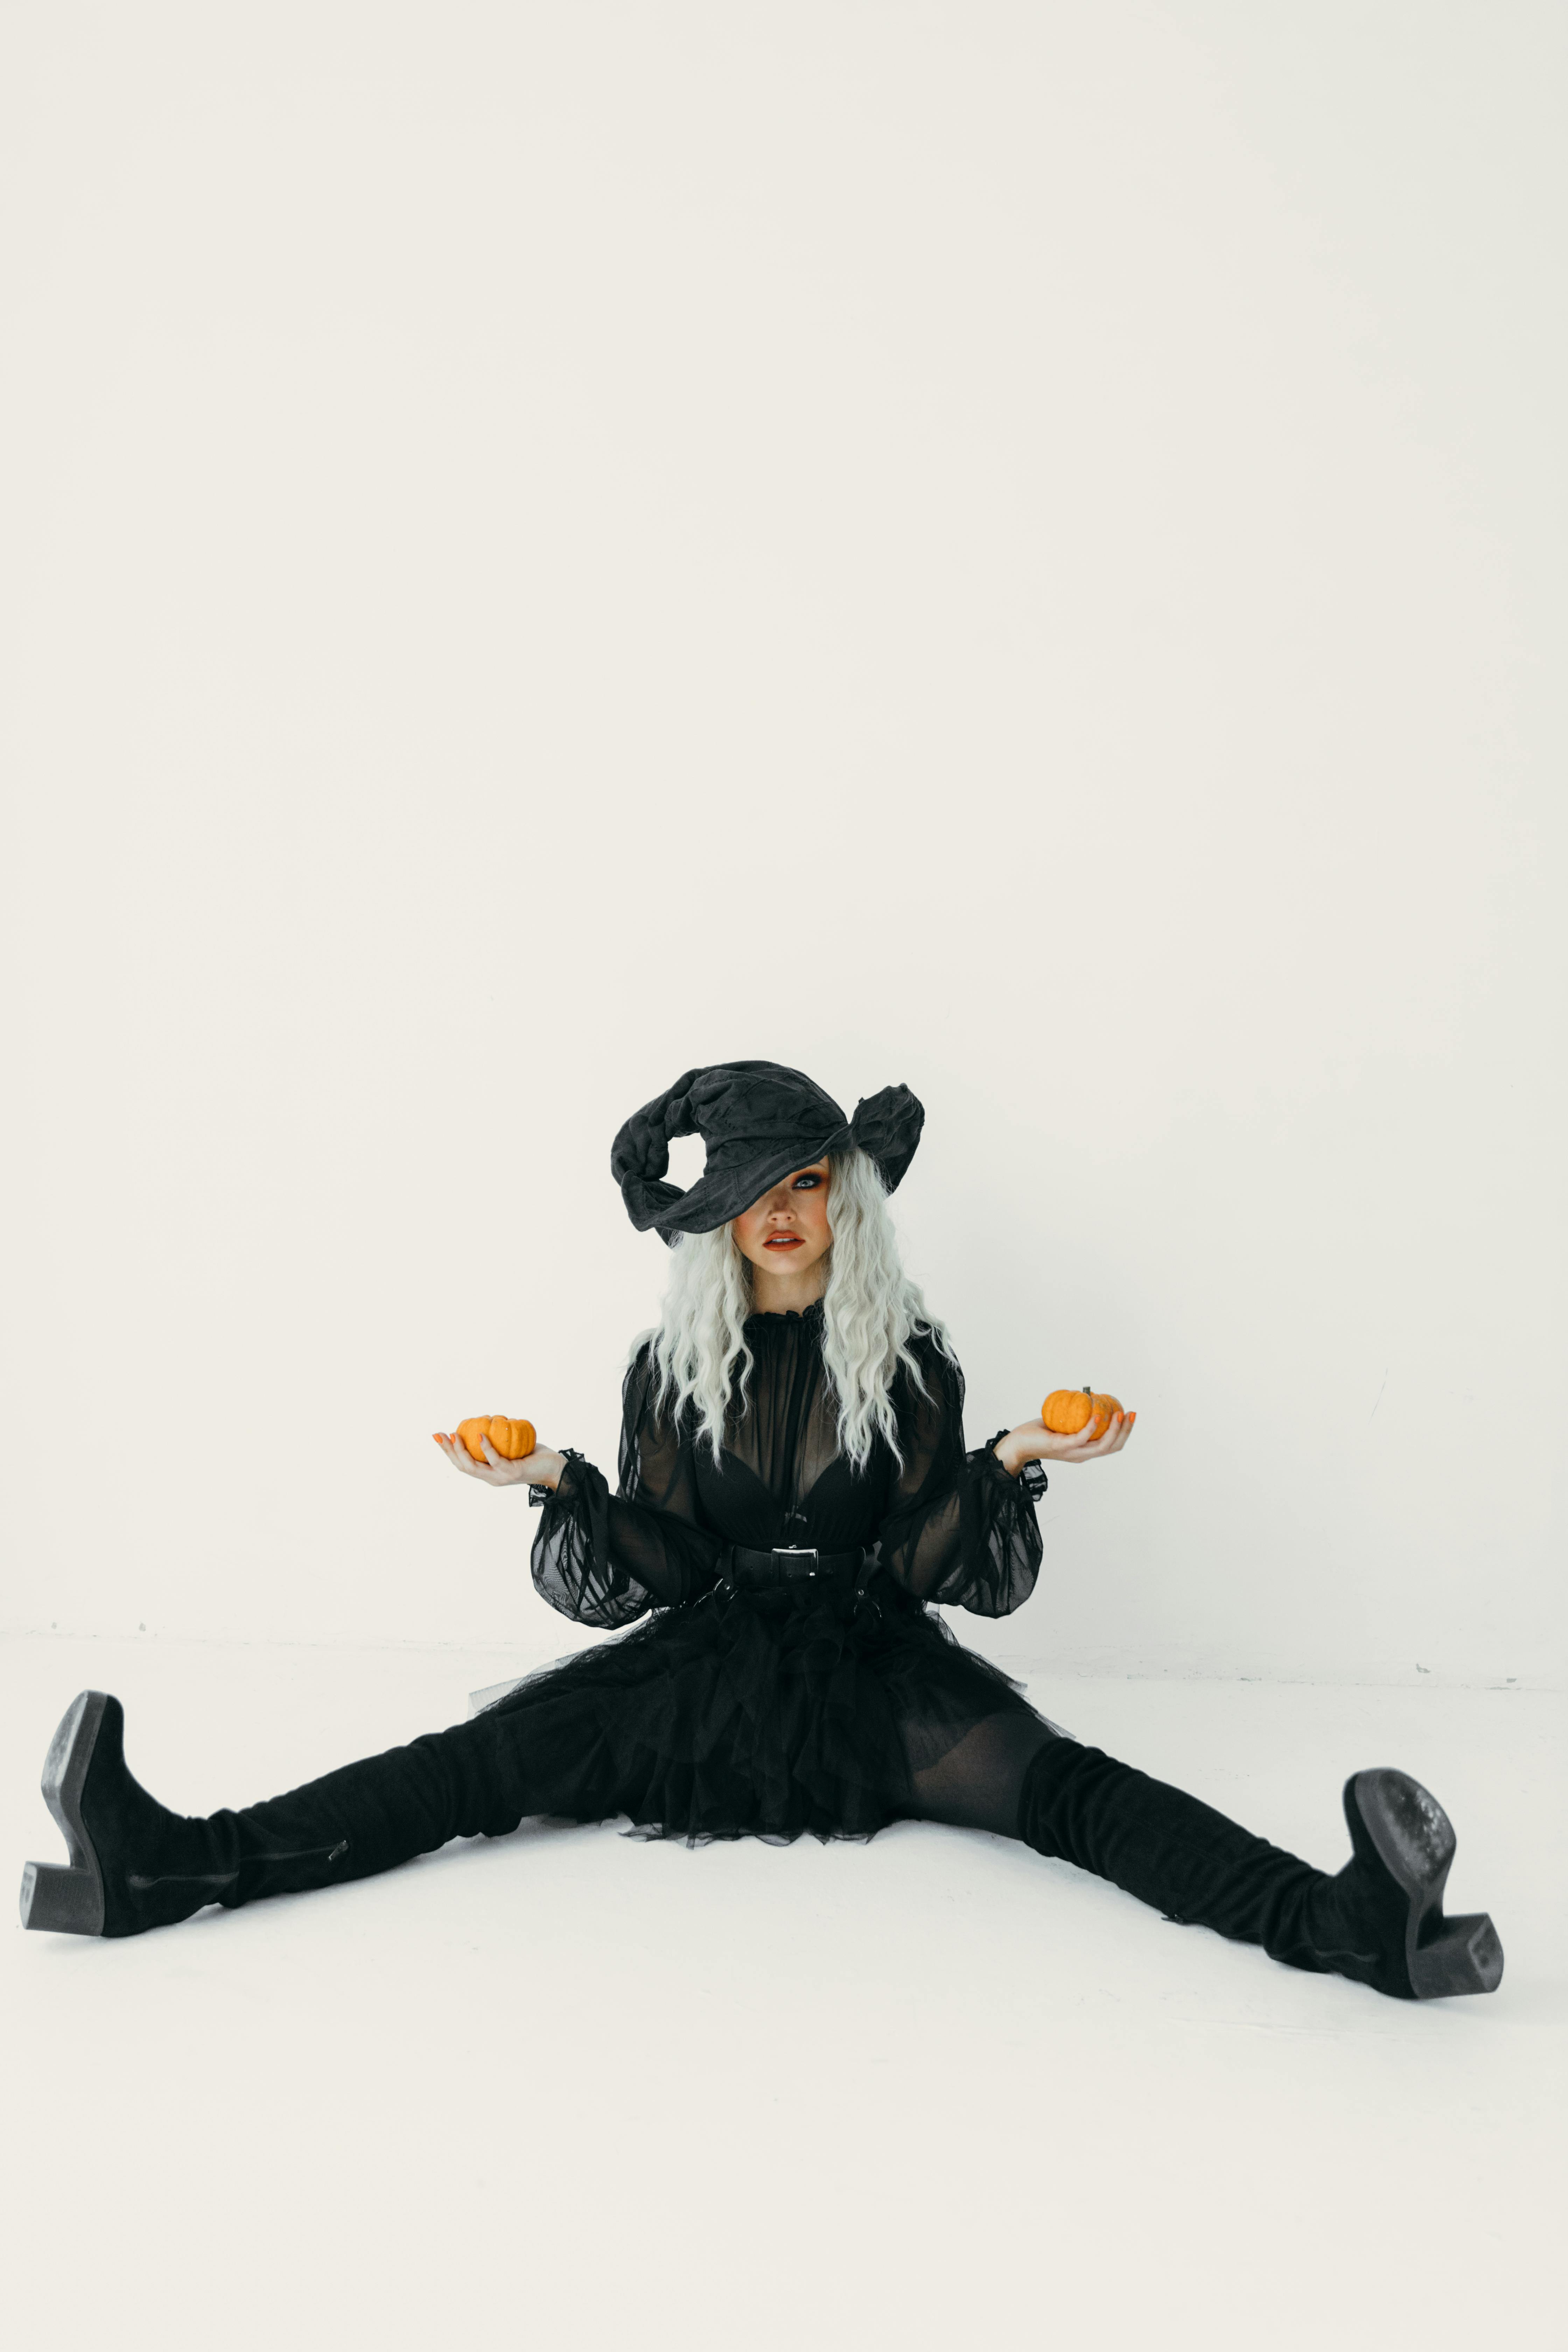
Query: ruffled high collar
x=764, y=1319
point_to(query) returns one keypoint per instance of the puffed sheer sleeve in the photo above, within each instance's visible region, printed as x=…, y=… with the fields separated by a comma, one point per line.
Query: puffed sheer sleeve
x=959, y=1528
x=605, y=1559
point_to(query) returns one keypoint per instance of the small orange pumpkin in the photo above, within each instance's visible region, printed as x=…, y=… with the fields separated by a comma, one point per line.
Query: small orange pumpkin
x=1067, y=1410
x=511, y=1439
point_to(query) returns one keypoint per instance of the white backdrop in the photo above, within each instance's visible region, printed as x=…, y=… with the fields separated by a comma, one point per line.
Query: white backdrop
x=1012, y=548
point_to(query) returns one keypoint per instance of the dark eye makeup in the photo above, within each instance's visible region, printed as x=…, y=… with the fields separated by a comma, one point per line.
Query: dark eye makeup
x=809, y=1181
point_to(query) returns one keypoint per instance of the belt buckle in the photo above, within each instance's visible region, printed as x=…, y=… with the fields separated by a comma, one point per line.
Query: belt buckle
x=798, y=1551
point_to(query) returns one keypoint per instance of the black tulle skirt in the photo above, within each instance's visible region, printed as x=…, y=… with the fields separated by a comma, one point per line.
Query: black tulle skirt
x=757, y=1715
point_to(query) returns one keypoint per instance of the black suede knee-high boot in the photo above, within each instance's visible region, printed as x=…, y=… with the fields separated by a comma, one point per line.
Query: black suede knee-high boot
x=1380, y=1920
x=134, y=1864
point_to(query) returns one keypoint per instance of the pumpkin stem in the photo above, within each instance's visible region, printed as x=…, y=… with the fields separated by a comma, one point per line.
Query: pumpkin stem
x=1087, y=1389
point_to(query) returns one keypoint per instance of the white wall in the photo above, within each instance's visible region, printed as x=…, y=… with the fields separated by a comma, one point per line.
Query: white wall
x=1008, y=547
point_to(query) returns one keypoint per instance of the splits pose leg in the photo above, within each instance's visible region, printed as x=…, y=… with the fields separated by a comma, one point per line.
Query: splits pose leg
x=134, y=1864
x=1379, y=1920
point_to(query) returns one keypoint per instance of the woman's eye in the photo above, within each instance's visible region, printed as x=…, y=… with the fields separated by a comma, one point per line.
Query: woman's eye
x=806, y=1183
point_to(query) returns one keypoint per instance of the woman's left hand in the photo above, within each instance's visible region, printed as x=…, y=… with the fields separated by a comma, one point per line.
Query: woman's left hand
x=1033, y=1441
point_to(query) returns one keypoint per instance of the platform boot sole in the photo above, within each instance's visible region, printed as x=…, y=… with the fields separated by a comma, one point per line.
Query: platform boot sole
x=1414, y=1840
x=68, y=1900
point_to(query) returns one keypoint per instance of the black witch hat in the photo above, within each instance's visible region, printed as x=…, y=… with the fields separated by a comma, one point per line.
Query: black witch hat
x=758, y=1120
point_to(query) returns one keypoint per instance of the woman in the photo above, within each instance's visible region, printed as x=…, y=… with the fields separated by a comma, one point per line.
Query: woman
x=794, y=1494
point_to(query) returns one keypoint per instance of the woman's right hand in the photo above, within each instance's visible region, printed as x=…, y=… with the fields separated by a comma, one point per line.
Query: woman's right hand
x=541, y=1468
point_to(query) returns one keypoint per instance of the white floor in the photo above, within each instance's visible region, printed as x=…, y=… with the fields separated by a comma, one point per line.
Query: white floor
x=586, y=2091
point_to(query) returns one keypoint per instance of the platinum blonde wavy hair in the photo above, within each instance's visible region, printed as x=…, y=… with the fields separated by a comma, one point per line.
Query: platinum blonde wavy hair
x=870, y=1310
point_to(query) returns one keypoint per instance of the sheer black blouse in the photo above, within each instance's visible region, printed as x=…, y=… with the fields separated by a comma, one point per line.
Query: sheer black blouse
x=948, y=1526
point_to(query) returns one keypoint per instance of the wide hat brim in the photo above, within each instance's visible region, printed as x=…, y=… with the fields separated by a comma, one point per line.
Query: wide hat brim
x=759, y=1120
x=720, y=1194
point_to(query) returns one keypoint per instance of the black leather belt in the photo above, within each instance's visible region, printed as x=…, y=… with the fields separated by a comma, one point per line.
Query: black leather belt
x=756, y=1572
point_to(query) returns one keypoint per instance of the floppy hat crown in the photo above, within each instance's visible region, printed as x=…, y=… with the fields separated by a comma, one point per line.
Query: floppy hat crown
x=758, y=1120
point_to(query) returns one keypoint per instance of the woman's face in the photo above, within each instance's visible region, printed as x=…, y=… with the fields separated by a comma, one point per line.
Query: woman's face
x=787, y=1231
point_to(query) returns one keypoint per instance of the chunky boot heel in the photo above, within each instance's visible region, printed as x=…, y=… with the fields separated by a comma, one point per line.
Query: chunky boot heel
x=70, y=1901
x=1398, y=1824
x=1466, y=1958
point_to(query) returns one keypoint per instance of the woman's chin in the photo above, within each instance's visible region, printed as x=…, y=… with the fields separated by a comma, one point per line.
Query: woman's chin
x=788, y=1264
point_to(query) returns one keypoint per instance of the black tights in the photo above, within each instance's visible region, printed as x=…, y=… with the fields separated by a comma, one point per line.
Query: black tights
x=979, y=1783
